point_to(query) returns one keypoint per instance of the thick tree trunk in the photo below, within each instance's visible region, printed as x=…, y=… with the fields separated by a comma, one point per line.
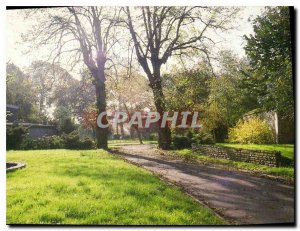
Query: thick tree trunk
x=164, y=134
x=101, y=133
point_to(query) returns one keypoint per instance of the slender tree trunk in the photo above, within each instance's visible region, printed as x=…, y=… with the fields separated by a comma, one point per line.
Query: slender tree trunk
x=42, y=99
x=94, y=134
x=138, y=133
x=164, y=134
x=117, y=129
x=101, y=133
x=122, y=130
x=134, y=126
x=131, y=133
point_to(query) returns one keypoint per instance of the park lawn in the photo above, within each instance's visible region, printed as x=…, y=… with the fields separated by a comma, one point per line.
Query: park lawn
x=94, y=187
x=287, y=150
x=187, y=154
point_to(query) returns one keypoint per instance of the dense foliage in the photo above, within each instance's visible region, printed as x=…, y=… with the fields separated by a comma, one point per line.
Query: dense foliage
x=270, y=52
x=63, y=120
x=20, y=91
x=187, y=90
x=228, y=99
x=252, y=131
x=16, y=139
x=49, y=142
x=187, y=139
x=15, y=136
x=221, y=99
x=73, y=141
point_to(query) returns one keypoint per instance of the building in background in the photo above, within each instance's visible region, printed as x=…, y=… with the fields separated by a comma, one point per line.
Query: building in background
x=34, y=130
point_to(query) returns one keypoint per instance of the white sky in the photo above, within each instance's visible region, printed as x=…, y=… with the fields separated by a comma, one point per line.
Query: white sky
x=16, y=25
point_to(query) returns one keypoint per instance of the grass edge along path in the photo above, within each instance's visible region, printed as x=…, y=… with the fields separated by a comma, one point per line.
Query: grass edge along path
x=287, y=150
x=285, y=173
x=95, y=188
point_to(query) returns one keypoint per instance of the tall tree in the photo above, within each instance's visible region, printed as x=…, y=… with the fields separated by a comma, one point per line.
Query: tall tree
x=269, y=49
x=63, y=119
x=75, y=95
x=161, y=32
x=43, y=75
x=191, y=85
x=85, y=34
x=228, y=99
x=21, y=92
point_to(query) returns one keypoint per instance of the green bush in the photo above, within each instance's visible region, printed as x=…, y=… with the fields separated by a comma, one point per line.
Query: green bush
x=185, y=141
x=87, y=143
x=15, y=136
x=55, y=142
x=67, y=141
x=153, y=136
x=49, y=142
x=116, y=137
x=251, y=131
x=203, y=138
x=72, y=141
x=181, y=142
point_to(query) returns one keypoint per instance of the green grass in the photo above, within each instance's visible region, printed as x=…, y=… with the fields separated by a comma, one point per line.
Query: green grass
x=287, y=172
x=94, y=187
x=287, y=150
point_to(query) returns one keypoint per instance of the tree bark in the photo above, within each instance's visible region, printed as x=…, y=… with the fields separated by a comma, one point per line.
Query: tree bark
x=164, y=134
x=101, y=133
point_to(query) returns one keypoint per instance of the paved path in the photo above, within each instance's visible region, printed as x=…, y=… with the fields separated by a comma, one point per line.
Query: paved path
x=239, y=197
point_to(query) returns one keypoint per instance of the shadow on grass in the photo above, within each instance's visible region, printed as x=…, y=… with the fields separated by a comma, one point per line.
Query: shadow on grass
x=286, y=162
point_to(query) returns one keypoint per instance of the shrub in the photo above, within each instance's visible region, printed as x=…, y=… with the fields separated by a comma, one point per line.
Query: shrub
x=49, y=142
x=67, y=141
x=64, y=121
x=251, y=131
x=72, y=141
x=203, y=138
x=116, y=137
x=55, y=142
x=87, y=143
x=181, y=142
x=14, y=136
x=153, y=136
x=185, y=141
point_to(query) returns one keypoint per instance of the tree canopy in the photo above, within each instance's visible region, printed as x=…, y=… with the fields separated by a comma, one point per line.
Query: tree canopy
x=269, y=49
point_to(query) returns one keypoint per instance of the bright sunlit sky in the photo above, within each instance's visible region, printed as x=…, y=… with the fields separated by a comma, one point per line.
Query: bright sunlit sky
x=16, y=25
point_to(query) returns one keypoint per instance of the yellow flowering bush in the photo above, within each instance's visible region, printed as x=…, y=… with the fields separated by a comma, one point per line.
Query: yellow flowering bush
x=252, y=131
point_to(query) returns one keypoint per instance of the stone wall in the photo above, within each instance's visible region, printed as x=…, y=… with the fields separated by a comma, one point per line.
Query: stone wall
x=269, y=158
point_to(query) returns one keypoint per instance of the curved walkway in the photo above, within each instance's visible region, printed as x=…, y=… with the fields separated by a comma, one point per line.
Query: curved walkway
x=238, y=197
